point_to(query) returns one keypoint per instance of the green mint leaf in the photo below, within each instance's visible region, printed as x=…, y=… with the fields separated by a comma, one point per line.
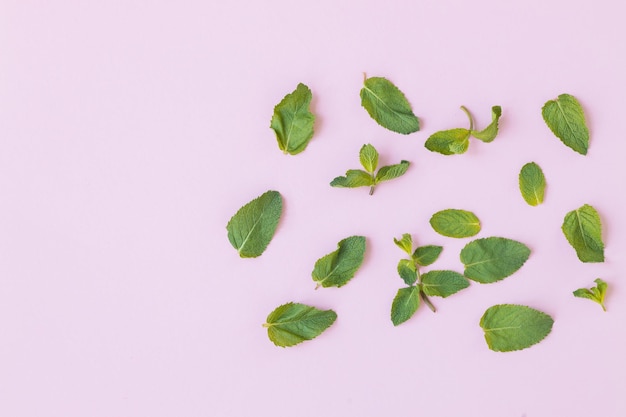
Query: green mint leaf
x=492, y=259
x=251, y=229
x=407, y=271
x=443, y=283
x=455, y=223
x=405, y=304
x=426, y=255
x=293, y=323
x=566, y=119
x=339, y=267
x=595, y=294
x=293, y=121
x=489, y=133
x=405, y=243
x=532, y=183
x=390, y=172
x=510, y=327
x=448, y=142
x=583, y=230
x=388, y=106
x=354, y=178
x=369, y=158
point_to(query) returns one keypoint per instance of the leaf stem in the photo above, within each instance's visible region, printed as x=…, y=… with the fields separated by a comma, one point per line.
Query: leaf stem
x=427, y=301
x=469, y=116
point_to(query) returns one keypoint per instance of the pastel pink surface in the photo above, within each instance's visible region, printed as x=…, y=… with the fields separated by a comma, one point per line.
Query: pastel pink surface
x=131, y=132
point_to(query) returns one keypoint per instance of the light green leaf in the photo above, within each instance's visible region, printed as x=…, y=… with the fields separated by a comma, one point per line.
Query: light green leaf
x=338, y=267
x=443, y=283
x=426, y=255
x=510, y=327
x=455, y=223
x=449, y=142
x=489, y=133
x=583, y=230
x=404, y=305
x=293, y=323
x=251, y=229
x=566, y=119
x=493, y=258
x=388, y=106
x=354, y=178
x=407, y=271
x=595, y=294
x=405, y=243
x=293, y=121
x=369, y=158
x=532, y=183
x=392, y=171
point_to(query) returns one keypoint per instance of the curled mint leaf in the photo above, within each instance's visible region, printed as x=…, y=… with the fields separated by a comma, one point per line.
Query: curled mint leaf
x=532, y=184
x=489, y=133
x=426, y=255
x=388, y=106
x=390, y=172
x=455, y=223
x=595, y=294
x=566, y=119
x=407, y=271
x=353, y=178
x=405, y=243
x=251, y=229
x=293, y=121
x=492, y=259
x=443, y=283
x=339, y=267
x=293, y=323
x=583, y=229
x=510, y=327
x=405, y=304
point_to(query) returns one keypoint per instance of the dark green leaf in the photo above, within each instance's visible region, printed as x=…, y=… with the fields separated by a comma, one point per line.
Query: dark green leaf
x=511, y=327
x=292, y=120
x=595, y=294
x=583, y=229
x=427, y=255
x=532, y=183
x=405, y=243
x=338, y=267
x=493, y=259
x=354, y=178
x=293, y=323
x=369, y=158
x=392, y=171
x=489, y=133
x=443, y=283
x=251, y=229
x=406, y=270
x=404, y=305
x=388, y=106
x=566, y=119
x=448, y=142
x=455, y=223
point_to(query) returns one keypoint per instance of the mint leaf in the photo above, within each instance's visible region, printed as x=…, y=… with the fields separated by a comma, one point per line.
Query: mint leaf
x=443, y=283
x=426, y=255
x=388, y=106
x=339, y=267
x=595, y=294
x=532, y=183
x=354, y=178
x=493, y=259
x=510, y=327
x=455, y=223
x=405, y=243
x=293, y=121
x=369, y=158
x=489, y=133
x=293, y=323
x=407, y=271
x=448, y=142
x=566, y=119
x=404, y=305
x=390, y=172
x=583, y=230
x=251, y=229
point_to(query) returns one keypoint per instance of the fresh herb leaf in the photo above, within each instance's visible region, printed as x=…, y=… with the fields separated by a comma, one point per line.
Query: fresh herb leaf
x=405, y=243
x=407, y=271
x=390, y=172
x=388, y=106
x=405, y=304
x=443, y=283
x=455, y=223
x=339, y=267
x=566, y=119
x=489, y=133
x=369, y=158
x=354, y=178
x=532, y=183
x=510, y=327
x=251, y=229
x=293, y=121
x=492, y=259
x=595, y=294
x=426, y=255
x=583, y=229
x=293, y=323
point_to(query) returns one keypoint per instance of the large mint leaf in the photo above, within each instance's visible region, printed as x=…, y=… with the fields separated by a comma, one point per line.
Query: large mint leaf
x=595, y=294
x=449, y=142
x=455, y=223
x=532, y=183
x=443, y=283
x=293, y=121
x=251, y=229
x=293, y=323
x=369, y=158
x=388, y=106
x=489, y=133
x=566, y=119
x=404, y=305
x=493, y=259
x=511, y=327
x=339, y=267
x=583, y=230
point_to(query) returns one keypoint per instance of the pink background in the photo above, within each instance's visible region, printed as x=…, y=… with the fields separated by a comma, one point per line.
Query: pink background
x=131, y=131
